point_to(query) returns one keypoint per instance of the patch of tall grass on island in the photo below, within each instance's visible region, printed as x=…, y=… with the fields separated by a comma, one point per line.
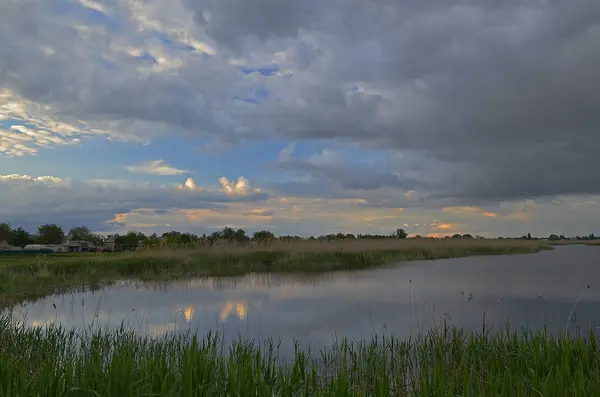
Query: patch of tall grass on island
x=444, y=362
x=30, y=277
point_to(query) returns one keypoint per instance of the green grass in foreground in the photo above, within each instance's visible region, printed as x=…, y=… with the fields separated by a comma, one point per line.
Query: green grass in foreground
x=445, y=362
x=31, y=277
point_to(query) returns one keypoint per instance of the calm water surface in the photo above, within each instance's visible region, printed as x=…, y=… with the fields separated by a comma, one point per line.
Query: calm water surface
x=528, y=290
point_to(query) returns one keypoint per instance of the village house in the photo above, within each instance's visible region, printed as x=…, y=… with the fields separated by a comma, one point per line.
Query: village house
x=80, y=246
x=109, y=243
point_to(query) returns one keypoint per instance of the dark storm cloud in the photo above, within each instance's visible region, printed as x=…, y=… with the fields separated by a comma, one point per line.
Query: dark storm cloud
x=504, y=94
x=231, y=22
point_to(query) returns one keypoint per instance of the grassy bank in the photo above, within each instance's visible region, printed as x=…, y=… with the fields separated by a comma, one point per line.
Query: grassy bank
x=575, y=242
x=445, y=362
x=30, y=277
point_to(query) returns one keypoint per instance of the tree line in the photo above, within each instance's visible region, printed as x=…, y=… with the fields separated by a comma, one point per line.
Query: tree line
x=46, y=234
x=54, y=234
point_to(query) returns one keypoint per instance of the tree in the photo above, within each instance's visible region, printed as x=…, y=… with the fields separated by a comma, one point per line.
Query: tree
x=553, y=237
x=240, y=235
x=528, y=236
x=401, y=233
x=152, y=240
x=468, y=236
x=129, y=240
x=5, y=231
x=263, y=235
x=21, y=238
x=95, y=239
x=172, y=238
x=80, y=233
x=187, y=238
x=50, y=234
x=228, y=234
x=215, y=236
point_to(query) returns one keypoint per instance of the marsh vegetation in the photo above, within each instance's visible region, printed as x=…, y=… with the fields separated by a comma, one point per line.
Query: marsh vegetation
x=443, y=362
x=29, y=277
x=446, y=360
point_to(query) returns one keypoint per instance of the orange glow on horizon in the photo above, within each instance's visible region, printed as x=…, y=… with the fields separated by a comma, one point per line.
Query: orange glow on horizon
x=439, y=235
x=469, y=210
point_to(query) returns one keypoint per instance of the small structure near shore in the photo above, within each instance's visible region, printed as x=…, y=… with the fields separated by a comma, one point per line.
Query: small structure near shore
x=45, y=248
x=80, y=246
x=5, y=246
x=109, y=244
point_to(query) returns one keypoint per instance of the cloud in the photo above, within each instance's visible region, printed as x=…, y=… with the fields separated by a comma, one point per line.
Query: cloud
x=189, y=184
x=469, y=210
x=235, y=188
x=428, y=105
x=119, y=206
x=500, y=94
x=19, y=177
x=445, y=226
x=32, y=127
x=93, y=5
x=30, y=201
x=156, y=167
x=285, y=154
x=383, y=178
x=260, y=213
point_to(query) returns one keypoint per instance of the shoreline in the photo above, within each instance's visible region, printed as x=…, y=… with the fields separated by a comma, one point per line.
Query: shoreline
x=29, y=278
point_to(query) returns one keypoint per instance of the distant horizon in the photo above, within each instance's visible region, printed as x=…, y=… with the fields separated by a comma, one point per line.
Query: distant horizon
x=250, y=232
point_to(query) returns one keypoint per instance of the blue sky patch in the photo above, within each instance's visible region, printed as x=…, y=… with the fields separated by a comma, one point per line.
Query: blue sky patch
x=264, y=70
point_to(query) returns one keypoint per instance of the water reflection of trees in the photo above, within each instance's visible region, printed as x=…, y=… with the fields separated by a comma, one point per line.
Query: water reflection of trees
x=252, y=281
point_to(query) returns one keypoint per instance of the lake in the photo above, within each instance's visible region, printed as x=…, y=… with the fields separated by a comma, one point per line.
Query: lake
x=529, y=290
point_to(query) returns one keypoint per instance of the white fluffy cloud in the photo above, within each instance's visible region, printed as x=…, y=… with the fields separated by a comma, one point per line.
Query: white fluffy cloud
x=34, y=126
x=157, y=167
x=235, y=188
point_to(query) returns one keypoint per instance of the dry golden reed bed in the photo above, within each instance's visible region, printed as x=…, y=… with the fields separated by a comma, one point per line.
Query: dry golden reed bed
x=357, y=245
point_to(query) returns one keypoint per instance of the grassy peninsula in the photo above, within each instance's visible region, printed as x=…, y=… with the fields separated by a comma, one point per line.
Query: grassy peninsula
x=29, y=277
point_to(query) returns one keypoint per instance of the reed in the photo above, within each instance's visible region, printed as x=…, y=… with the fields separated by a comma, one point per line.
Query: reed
x=443, y=362
x=31, y=277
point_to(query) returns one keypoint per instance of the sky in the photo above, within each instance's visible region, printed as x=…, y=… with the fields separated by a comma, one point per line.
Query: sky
x=301, y=117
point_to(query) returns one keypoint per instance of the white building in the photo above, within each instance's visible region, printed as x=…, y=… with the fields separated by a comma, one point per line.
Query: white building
x=4, y=246
x=44, y=247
